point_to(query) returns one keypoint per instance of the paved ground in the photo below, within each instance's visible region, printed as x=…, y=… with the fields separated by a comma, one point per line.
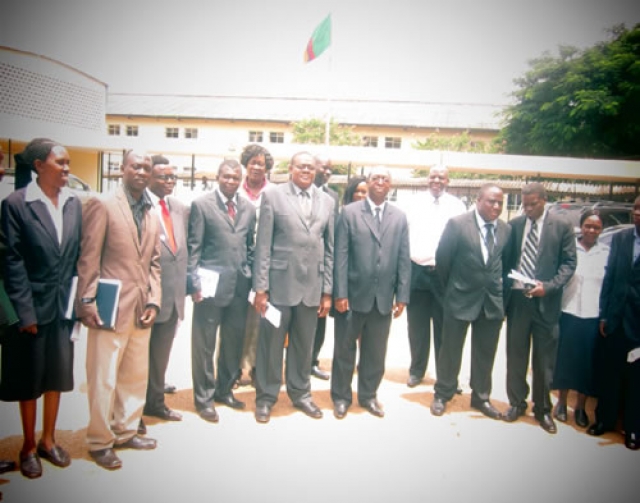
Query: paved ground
x=409, y=456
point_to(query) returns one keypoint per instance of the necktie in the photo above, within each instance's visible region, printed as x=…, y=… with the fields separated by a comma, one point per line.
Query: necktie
x=488, y=239
x=530, y=252
x=168, y=225
x=305, y=204
x=231, y=209
x=378, y=218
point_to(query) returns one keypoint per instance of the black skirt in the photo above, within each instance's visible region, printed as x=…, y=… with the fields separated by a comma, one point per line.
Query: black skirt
x=34, y=364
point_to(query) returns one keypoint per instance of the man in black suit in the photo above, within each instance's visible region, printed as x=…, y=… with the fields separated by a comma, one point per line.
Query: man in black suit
x=373, y=277
x=323, y=174
x=619, y=347
x=543, y=247
x=173, y=216
x=471, y=264
x=293, y=271
x=221, y=239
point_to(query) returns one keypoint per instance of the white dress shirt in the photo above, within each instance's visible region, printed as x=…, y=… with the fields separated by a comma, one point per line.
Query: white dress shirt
x=34, y=193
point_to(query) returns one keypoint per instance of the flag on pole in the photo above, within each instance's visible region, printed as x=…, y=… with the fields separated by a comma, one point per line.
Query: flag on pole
x=319, y=41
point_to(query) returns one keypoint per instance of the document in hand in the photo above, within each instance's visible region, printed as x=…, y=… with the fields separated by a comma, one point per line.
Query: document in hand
x=107, y=300
x=272, y=315
x=208, y=282
x=526, y=281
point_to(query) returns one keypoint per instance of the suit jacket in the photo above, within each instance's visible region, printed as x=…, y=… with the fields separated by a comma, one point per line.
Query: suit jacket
x=371, y=265
x=620, y=293
x=471, y=286
x=111, y=249
x=174, y=265
x=38, y=270
x=294, y=258
x=556, y=261
x=218, y=244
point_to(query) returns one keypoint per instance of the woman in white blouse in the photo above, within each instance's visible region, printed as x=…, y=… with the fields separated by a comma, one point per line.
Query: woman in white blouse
x=579, y=322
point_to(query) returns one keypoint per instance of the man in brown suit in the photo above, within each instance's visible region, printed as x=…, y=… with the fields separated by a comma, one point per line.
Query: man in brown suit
x=120, y=240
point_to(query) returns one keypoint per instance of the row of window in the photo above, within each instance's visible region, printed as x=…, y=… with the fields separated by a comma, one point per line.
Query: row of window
x=254, y=136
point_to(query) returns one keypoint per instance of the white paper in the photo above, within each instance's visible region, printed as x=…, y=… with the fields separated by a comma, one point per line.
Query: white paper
x=633, y=355
x=522, y=278
x=72, y=298
x=208, y=282
x=75, y=331
x=272, y=315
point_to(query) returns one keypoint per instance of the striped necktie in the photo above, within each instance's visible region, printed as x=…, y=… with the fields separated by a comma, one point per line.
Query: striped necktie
x=530, y=252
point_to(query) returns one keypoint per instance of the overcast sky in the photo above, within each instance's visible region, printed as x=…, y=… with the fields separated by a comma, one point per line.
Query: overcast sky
x=429, y=50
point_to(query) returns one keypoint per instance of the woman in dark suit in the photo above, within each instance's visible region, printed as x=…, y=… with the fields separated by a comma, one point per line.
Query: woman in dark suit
x=41, y=226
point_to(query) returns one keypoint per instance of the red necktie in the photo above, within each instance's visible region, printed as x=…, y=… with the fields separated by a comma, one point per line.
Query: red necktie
x=231, y=209
x=168, y=225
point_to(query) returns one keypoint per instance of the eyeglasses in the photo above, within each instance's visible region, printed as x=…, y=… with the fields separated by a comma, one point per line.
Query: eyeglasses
x=305, y=167
x=166, y=177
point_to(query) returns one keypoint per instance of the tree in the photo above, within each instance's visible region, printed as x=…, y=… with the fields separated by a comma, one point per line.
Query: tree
x=582, y=103
x=312, y=131
x=457, y=143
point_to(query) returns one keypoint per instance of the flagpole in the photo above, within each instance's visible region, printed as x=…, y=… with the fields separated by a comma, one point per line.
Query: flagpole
x=327, y=129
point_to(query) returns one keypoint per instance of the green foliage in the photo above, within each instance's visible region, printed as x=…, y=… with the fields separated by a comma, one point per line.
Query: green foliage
x=312, y=131
x=458, y=143
x=582, y=103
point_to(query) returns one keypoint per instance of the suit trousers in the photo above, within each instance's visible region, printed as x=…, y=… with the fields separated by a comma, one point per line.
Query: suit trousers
x=117, y=367
x=318, y=340
x=160, y=343
x=527, y=328
x=484, y=342
x=617, y=381
x=252, y=332
x=373, y=329
x=425, y=305
x=300, y=323
x=207, y=317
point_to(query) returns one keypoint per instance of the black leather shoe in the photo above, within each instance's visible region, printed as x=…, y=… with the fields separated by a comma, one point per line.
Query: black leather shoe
x=166, y=414
x=413, y=381
x=438, y=406
x=458, y=391
x=319, y=373
x=30, y=465
x=340, y=409
x=138, y=443
x=229, y=401
x=581, y=418
x=7, y=466
x=597, y=429
x=263, y=413
x=56, y=455
x=514, y=412
x=209, y=414
x=546, y=422
x=142, y=428
x=560, y=413
x=373, y=407
x=632, y=441
x=170, y=389
x=309, y=408
x=486, y=408
x=106, y=458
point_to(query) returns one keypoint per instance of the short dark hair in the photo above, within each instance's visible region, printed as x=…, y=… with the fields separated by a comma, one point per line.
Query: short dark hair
x=228, y=163
x=36, y=149
x=486, y=187
x=589, y=213
x=159, y=159
x=352, y=186
x=253, y=150
x=534, y=188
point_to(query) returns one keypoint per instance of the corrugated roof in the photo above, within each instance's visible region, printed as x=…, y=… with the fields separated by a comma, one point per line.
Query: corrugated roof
x=352, y=112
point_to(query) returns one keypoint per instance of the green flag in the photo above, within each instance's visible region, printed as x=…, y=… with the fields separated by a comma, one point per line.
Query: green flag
x=319, y=41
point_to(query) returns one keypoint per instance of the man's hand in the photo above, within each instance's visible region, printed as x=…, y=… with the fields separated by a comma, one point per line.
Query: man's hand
x=148, y=317
x=603, y=332
x=342, y=305
x=398, y=309
x=325, y=305
x=92, y=321
x=29, y=329
x=196, y=297
x=536, y=291
x=260, y=302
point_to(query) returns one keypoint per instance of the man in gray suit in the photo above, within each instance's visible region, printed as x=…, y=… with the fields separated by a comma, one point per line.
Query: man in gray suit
x=293, y=271
x=221, y=239
x=373, y=280
x=471, y=258
x=172, y=215
x=543, y=248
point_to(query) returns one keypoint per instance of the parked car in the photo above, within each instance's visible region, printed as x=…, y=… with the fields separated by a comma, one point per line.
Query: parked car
x=612, y=213
x=76, y=184
x=607, y=235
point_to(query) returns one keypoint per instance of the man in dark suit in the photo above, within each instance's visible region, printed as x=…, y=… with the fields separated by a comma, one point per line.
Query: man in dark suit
x=543, y=248
x=293, y=271
x=323, y=174
x=619, y=347
x=221, y=239
x=373, y=277
x=172, y=215
x=471, y=264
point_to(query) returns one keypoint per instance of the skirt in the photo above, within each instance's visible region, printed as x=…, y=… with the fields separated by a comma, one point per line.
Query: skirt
x=575, y=360
x=34, y=364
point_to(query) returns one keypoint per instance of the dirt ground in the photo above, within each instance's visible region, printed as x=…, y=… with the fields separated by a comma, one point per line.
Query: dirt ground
x=408, y=456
